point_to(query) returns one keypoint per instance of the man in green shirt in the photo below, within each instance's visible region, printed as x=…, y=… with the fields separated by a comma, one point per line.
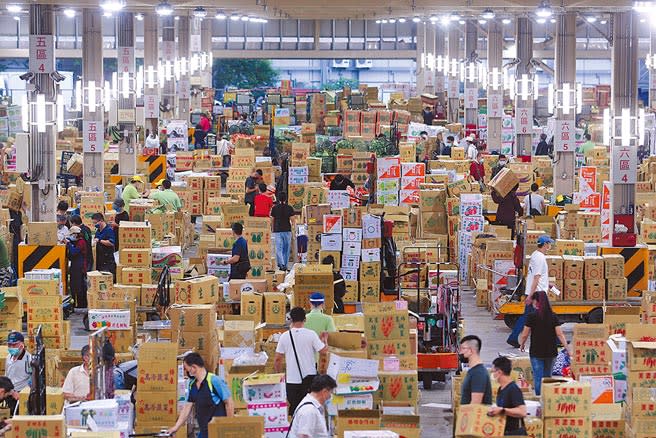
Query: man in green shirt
x=167, y=197
x=588, y=145
x=130, y=192
x=318, y=321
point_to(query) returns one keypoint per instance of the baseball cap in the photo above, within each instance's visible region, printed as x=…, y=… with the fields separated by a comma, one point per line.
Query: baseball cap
x=137, y=178
x=317, y=297
x=544, y=239
x=15, y=337
x=74, y=230
x=159, y=183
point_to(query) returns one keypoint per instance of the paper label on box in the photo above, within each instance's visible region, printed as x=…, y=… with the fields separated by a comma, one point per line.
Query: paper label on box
x=371, y=227
x=352, y=234
x=371, y=255
x=349, y=274
x=112, y=319
x=332, y=223
x=339, y=199
x=331, y=242
x=350, y=262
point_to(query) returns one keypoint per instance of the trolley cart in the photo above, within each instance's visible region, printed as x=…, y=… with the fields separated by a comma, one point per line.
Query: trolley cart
x=162, y=433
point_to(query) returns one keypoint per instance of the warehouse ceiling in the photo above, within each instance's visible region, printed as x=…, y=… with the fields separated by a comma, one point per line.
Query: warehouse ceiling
x=350, y=9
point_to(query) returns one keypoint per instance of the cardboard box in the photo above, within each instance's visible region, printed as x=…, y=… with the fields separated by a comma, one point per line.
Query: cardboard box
x=572, y=290
x=641, y=347
x=555, y=264
x=567, y=427
x=30, y=426
x=573, y=267
x=136, y=276
x=275, y=308
x=42, y=233
x=196, y=318
x=565, y=399
x=594, y=267
x=406, y=426
x=595, y=289
x=589, y=344
x=503, y=182
x=238, y=334
x=39, y=287
x=157, y=406
x=357, y=419
x=473, y=421
x=398, y=386
x=197, y=290
x=613, y=265
x=616, y=289
x=135, y=257
x=233, y=427
x=237, y=287
x=135, y=235
x=251, y=306
x=157, y=376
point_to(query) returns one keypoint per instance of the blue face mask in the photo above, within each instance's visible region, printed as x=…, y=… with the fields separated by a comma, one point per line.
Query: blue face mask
x=13, y=351
x=97, y=226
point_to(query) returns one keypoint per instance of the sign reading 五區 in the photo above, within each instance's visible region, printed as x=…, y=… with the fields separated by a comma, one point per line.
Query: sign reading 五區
x=92, y=134
x=42, y=54
x=125, y=60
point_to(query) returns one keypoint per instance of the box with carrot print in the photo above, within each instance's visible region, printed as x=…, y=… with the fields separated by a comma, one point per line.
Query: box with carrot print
x=565, y=398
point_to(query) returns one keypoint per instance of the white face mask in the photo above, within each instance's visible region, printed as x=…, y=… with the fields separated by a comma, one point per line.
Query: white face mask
x=502, y=162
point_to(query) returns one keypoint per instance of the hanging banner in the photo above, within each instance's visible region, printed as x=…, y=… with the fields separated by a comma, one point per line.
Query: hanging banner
x=151, y=106
x=564, y=135
x=605, y=213
x=471, y=98
x=92, y=136
x=125, y=60
x=454, y=88
x=42, y=54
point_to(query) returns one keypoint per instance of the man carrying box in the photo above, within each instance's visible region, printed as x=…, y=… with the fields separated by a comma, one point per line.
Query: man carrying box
x=510, y=400
x=239, y=261
x=207, y=392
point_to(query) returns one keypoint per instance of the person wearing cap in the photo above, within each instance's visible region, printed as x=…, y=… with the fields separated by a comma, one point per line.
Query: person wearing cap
x=472, y=149
x=86, y=234
x=77, y=386
x=167, y=197
x=18, y=364
x=537, y=279
x=318, y=321
x=130, y=191
x=62, y=229
x=77, y=252
x=223, y=148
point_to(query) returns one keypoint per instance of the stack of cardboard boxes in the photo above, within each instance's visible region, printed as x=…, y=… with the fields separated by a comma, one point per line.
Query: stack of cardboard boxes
x=44, y=309
x=265, y=396
x=566, y=408
x=11, y=314
x=257, y=232
x=157, y=399
x=241, y=167
x=194, y=327
x=641, y=367
x=591, y=354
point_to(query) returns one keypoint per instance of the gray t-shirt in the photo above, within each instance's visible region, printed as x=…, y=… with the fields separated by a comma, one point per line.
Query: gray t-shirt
x=535, y=201
x=476, y=380
x=19, y=371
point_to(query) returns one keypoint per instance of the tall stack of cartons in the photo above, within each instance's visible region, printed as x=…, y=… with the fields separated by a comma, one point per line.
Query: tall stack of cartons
x=310, y=279
x=641, y=366
x=157, y=373
x=593, y=274
x=241, y=167
x=135, y=266
x=257, y=232
x=566, y=408
x=432, y=213
x=194, y=327
x=616, y=283
x=388, y=174
x=413, y=175
x=44, y=308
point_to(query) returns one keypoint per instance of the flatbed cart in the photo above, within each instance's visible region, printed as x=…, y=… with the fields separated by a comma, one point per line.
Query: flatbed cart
x=437, y=331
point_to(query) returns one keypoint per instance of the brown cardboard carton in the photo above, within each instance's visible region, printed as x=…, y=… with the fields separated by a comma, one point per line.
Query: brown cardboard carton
x=237, y=287
x=561, y=427
x=274, y=308
x=38, y=287
x=616, y=318
x=236, y=427
x=398, y=386
x=572, y=290
x=406, y=426
x=555, y=264
x=641, y=347
x=472, y=421
x=573, y=267
x=196, y=318
x=136, y=276
x=135, y=257
x=29, y=426
x=135, y=235
x=595, y=289
x=251, y=306
x=562, y=398
x=613, y=265
x=594, y=268
x=42, y=233
x=157, y=376
x=238, y=333
x=589, y=344
x=345, y=341
x=504, y=181
x=607, y=420
x=156, y=406
x=197, y=290
x=357, y=419
x=616, y=289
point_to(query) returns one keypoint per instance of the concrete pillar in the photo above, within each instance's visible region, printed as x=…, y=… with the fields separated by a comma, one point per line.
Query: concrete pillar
x=453, y=82
x=624, y=89
x=194, y=56
x=494, y=94
x=206, y=48
x=127, y=158
x=565, y=72
x=92, y=111
x=317, y=34
x=524, y=107
x=421, y=55
x=168, y=96
x=471, y=86
x=652, y=70
x=440, y=76
x=184, y=84
x=42, y=88
x=151, y=64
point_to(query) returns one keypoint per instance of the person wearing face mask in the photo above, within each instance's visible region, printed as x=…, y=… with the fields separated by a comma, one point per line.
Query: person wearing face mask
x=76, y=251
x=8, y=394
x=510, y=400
x=476, y=386
x=500, y=165
x=62, y=229
x=309, y=419
x=85, y=232
x=18, y=365
x=207, y=392
x=105, y=240
x=77, y=384
x=448, y=144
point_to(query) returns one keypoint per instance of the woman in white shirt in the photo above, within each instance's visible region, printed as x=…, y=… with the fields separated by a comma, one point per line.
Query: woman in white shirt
x=534, y=202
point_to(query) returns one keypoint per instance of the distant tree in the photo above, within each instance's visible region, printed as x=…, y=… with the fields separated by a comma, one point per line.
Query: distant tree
x=243, y=73
x=341, y=83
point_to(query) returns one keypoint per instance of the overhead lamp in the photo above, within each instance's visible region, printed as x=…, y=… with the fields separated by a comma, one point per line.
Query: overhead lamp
x=17, y=17
x=70, y=13
x=112, y=5
x=445, y=21
x=603, y=22
x=482, y=21
x=552, y=21
x=434, y=18
x=544, y=10
x=541, y=20
x=220, y=16
x=488, y=14
x=245, y=18
x=377, y=21
x=402, y=20
x=234, y=17
x=164, y=9
x=176, y=18
x=392, y=20
x=454, y=17
x=200, y=12
x=591, y=19
x=462, y=22
x=416, y=20
x=108, y=14
x=506, y=21
x=139, y=16
x=639, y=6
x=643, y=20
x=384, y=21
x=14, y=9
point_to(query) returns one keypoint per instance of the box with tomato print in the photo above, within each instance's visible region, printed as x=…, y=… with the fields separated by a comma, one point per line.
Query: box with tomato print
x=398, y=386
x=387, y=320
x=641, y=347
x=562, y=398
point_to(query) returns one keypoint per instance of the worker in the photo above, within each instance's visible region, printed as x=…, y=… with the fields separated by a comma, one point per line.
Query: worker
x=199, y=136
x=263, y=201
x=239, y=261
x=510, y=400
x=223, y=148
x=205, y=123
x=76, y=251
x=316, y=320
x=76, y=221
x=476, y=386
x=251, y=190
x=308, y=420
x=448, y=144
x=588, y=145
x=428, y=115
x=18, y=365
x=167, y=197
x=131, y=192
x=477, y=171
x=9, y=395
x=152, y=141
x=62, y=229
x=6, y=272
x=542, y=148
x=339, y=285
x=537, y=279
x=471, y=148
x=501, y=164
x=507, y=207
x=105, y=240
x=534, y=202
x=62, y=209
x=282, y=230
x=77, y=385
x=207, y=392
x=340, y=182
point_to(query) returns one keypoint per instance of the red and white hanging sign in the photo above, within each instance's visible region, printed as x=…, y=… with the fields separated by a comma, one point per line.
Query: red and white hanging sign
x=92, y=135
x=564, y=136
x=42, y=54
x=524, y=121
x=125, y=60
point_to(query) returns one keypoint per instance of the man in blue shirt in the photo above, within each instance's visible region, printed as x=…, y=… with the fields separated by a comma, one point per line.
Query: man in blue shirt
x=239, y=263
x=476, y=386
x=105, y=240
x=207, y=392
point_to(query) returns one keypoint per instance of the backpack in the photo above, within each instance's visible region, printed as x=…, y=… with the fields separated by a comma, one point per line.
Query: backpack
x=532, y=211
x=219, y=404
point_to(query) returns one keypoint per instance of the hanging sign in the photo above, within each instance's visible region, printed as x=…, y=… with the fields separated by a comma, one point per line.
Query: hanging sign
x=92, y=134
x=42, y=54
x=151, y=106
x=524, y=121
x=624, y=164
x=605, y=213
x=454, y=88
x=494, y=105
x=125, y=60
x=471, y=97
x=564, y=135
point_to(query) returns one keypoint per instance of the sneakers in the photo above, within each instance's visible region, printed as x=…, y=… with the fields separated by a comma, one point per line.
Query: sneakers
x=513, y=343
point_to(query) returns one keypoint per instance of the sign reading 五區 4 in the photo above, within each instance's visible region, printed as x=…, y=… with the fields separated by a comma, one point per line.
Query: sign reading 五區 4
x=624, y=164
x=42, y=54
x=564, y=136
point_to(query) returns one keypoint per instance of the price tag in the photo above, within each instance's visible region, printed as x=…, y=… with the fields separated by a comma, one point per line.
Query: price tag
x=42, y=54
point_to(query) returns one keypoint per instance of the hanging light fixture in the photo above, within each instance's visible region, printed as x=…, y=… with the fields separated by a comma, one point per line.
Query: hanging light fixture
x=200, y=12
x=220, y=15
x=544, y=9
x=70, y=13
x=14, y=9
x=164, y=9
x=416, y=20
x=488, y=14
x=112, y=5
x=139, y=16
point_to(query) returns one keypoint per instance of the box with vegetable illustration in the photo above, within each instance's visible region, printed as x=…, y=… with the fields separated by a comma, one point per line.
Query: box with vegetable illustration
x=589, y=344
x=562, y=398
x=386, y=320
x=473, y=421
x=567, y=428
x=641, y=347
x=398, y=386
